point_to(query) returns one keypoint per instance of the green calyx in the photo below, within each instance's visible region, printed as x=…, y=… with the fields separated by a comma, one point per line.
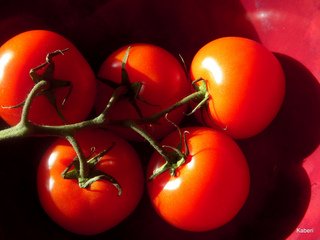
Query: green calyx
x=175, y=157
x=133, y=89
x=203, y=94
x=176, y=160
x=53, y=83
x=92, y=173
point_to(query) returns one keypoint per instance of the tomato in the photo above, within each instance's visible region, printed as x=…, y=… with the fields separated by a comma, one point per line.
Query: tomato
x=98, y=207
x=246, y=84
x=163, y=82
x=209, y=189
x=28, y=50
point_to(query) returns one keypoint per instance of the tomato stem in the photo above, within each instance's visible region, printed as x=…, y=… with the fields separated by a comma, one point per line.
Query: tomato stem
x=33, y=93
x=183, y=101
x=202, y=88
x=116, y=95
x=201, y=95
x=173, y=157
x=48, y=76
x=92, y=174
x=135, y=127
x=175, y=160
x=83, y=166
x=24, y=127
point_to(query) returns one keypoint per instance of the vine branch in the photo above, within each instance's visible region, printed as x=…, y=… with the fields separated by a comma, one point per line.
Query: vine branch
x=27, y=128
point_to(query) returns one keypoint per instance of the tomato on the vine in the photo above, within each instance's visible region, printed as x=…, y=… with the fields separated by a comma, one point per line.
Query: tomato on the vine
x=157, y=80
x=246, y=85
x=72, y=85
x=208, y=189
x=98, y=207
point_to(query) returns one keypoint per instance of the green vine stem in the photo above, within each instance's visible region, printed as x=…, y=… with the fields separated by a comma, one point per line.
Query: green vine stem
x=201, y=95
x=135, y=127
x=174, y=158
x=26, y=128
x=83, y=167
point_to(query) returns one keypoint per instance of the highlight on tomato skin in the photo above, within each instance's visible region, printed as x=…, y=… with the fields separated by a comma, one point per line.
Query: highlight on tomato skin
x=97, y=208
x=162, y=80
x=210, y=187
x=246, y=84
x=208, y=190
x=73, y=81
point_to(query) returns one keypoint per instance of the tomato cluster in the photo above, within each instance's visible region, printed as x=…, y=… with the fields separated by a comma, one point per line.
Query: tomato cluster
x=197, y=179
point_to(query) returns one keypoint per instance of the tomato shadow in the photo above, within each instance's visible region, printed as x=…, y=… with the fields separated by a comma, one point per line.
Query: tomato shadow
x=281, y=188
x=298, y=123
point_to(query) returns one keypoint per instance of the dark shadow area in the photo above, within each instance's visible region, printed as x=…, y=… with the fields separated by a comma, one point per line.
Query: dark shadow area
x=297, y=125
x=277, y=154
x=99, y=27
x=20, y=213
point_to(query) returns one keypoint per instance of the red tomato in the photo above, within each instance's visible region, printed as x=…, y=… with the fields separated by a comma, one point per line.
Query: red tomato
x=246, y=85
x=97, y=208
x=28, y=50
x=209, y=189
x=163, y=82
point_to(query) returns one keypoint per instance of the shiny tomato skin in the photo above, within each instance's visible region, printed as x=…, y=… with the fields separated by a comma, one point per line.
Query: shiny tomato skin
x=209, y=189
x=163, y=83
x=98, y=208
x=246, y=85
x=28, y=50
